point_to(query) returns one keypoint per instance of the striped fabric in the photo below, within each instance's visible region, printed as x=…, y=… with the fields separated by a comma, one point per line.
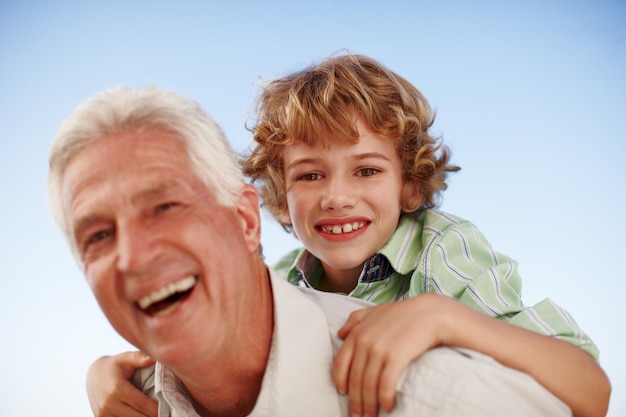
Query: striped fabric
x=435, y=252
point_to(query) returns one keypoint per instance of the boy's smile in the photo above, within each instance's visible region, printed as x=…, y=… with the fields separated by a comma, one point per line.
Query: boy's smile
x=338, y=230
x=344, y=201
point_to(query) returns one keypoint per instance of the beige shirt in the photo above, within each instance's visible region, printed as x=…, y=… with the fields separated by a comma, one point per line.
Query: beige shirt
x=445, y=382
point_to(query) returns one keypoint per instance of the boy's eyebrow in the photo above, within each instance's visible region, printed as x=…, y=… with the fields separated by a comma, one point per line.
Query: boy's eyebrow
x=371, y=155
x=359, y=157
x=301, y=161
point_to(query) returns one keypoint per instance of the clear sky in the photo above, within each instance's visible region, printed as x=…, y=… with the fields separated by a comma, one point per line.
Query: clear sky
x=530, y=98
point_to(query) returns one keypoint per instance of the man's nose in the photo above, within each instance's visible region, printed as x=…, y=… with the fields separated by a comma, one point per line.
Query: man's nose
x=136, y=248
x=339, y=194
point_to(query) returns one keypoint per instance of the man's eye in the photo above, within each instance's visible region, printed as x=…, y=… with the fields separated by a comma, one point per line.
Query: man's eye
x=164, y=207
x=313, y=176
x=98, y=236
x=367, y=172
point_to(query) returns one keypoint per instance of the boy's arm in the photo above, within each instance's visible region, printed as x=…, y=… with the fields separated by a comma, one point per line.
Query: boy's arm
x=380, y=341
x=460, y=263
x=110, y=391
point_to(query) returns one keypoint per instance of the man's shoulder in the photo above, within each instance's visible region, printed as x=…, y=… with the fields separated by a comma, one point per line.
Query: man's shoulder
x=333, y=300
x=336, y=307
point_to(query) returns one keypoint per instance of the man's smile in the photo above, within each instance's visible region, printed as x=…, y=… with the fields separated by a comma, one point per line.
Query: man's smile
x=165, y=299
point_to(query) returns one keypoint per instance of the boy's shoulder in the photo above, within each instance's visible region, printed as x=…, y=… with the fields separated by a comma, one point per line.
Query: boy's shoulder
x=431, y=221
x=418, y=231
x=443, y=218
x=286, y=262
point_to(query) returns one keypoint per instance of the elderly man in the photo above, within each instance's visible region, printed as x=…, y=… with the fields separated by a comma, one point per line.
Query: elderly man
x=149, y=195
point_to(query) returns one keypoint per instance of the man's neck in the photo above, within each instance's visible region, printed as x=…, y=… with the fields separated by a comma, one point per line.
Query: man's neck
x=238, y=403
x=231, y=387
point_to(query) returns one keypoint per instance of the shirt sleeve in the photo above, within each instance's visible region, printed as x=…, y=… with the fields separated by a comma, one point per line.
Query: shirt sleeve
x=460, y=263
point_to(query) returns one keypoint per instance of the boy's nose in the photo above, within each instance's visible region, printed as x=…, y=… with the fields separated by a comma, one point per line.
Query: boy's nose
x=338, y=195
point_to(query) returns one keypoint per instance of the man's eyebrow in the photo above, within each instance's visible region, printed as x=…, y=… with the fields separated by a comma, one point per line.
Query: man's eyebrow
x=152, y=192
x=84, y=223
x=159, y=190
x=149, y=193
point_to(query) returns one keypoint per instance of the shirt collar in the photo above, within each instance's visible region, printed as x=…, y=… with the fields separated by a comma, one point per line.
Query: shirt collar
x=394, y=256
x=297, y=379
x=404, y=245
x=173, y=398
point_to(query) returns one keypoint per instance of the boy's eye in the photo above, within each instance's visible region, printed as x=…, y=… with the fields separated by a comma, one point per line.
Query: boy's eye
x=312, y=176
x=367, y=172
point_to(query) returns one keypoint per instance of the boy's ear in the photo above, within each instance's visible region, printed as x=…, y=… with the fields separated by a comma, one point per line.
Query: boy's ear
x=411, y=196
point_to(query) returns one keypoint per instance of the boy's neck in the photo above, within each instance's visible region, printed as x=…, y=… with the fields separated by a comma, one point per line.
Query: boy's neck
x=339, y=280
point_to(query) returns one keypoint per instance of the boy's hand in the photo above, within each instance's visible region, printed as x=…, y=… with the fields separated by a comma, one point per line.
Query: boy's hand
x=110, y=391
x=379, y=342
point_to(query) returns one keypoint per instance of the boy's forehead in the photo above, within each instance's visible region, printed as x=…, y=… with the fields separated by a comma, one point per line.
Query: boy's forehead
x=325, y=141
x=365, y=148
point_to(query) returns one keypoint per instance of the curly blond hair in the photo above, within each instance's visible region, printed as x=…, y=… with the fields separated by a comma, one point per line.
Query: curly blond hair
x=323, y=102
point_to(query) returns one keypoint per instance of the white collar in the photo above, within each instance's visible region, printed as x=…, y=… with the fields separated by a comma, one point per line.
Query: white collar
x=297, y=380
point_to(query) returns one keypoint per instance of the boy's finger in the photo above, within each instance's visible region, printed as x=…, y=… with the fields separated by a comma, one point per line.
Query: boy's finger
x=139, y=402
x=127, y=411
x=370, y=384
x=341, y=366
x=133, y=397
x=355, y=381
x=125, y=363
x=388, y=382
x=133, y=360
x=354, y=319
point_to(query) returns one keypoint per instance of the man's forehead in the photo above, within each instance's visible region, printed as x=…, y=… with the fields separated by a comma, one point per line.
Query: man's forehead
x=149, y=188
x=91, y=180
x=159, y=187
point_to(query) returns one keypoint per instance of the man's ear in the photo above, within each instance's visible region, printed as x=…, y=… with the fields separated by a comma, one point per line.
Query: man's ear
x=249, y=211
x=411, y=196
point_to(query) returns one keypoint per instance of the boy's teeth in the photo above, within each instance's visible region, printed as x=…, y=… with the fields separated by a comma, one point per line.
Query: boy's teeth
x=166, y=291
x=346, y=228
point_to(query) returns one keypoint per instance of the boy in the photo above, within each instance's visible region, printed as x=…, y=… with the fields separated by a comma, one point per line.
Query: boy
x=345, y=159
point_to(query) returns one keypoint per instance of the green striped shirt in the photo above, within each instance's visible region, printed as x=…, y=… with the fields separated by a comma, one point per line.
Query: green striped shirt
x=435, y=252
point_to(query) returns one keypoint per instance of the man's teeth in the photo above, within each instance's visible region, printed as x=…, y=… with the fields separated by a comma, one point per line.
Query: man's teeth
x=166, y=291
x=345, y=228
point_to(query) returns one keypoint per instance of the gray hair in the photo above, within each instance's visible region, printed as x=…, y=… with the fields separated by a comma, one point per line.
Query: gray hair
x=124, y=109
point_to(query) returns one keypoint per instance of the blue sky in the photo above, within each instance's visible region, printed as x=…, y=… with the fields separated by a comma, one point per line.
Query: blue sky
x=529, y=94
